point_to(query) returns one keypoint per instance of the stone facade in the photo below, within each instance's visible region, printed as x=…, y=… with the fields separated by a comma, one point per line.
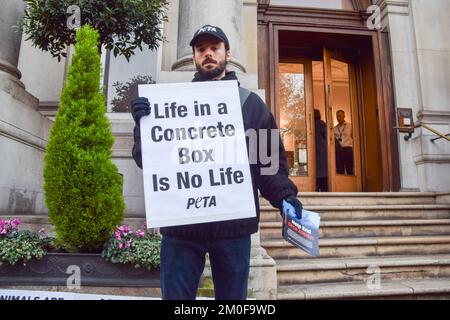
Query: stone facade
x=420, y=51
x=23, y=130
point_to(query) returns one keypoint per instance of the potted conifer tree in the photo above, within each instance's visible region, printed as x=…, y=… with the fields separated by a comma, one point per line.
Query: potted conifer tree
x=83, y=189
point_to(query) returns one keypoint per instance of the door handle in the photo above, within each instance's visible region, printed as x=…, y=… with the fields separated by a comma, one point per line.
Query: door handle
x=330, y=108
x=330, y=117
x=310, y=124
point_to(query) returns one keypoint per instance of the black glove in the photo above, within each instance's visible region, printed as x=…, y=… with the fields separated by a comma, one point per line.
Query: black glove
x=140, y=107
x=292, y=200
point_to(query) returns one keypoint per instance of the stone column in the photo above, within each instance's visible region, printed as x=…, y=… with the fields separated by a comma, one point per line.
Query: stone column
x=194, y=14
x=23, y=130
x=10, y=37
x=397, y=21
x=262, y=282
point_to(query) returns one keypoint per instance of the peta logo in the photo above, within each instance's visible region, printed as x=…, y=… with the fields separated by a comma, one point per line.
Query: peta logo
x=206, y=28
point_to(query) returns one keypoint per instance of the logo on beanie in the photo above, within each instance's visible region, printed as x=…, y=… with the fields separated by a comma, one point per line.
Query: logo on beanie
x=207, y=29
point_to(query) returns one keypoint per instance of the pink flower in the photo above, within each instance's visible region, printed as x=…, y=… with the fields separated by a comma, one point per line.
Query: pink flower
x=120, y=245
x=14, y=223
x=140, y=233
x=128, y=244
x=117, y=235
x=124, y=230
x=8, y=225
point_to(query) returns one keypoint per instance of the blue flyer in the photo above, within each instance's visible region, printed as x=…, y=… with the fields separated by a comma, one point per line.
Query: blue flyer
x=304, y=232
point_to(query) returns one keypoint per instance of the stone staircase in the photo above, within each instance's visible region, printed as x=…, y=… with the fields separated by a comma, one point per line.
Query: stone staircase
x=372, y=245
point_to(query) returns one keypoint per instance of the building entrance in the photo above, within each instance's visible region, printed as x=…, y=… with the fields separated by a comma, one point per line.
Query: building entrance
x=323, y=107
x=317, y=62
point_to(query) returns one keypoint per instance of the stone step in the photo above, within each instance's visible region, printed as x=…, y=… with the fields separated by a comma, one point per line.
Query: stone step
x=363, y=198
x=405, y=289
x=321, y=270
x=367, y=228
x=363, y=247
x=367, y=212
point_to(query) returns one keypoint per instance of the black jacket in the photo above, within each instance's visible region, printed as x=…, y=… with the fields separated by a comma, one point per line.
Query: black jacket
x=274, y=188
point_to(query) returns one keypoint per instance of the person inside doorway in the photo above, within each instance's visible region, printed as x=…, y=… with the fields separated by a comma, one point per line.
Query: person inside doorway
x=343, y=134
x=321, y=153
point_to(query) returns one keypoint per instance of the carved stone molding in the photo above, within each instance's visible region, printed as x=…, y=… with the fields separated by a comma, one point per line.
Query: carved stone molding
x=394, y=6
x=432, y=116
x=357, y=5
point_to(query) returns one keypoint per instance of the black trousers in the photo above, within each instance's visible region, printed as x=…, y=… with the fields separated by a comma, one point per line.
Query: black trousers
x=344, y=160
x=322, y=184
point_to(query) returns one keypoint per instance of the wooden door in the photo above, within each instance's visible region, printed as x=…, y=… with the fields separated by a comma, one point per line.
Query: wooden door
x=344, y=156
x=371, y=153
x=295, y=116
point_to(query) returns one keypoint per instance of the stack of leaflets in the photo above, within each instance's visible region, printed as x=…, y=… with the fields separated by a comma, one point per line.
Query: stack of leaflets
x=304, y=232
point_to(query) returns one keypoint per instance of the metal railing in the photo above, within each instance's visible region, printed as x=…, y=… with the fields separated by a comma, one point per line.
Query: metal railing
x=440, y=135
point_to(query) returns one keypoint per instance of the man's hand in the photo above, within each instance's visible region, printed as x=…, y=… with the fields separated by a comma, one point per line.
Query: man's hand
x=140, y=107
x=291, y=203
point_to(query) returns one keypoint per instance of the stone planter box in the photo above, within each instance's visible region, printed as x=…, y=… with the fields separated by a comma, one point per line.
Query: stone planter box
x=95, y=272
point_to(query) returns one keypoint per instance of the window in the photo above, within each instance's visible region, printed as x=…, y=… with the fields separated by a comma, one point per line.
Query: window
x=124, y=76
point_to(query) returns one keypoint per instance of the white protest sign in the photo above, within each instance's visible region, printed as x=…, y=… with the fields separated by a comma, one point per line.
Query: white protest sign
x=194, y=155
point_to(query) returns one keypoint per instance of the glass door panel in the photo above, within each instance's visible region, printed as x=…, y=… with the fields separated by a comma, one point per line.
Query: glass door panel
x=342, y=124
x=296, y=116
x=293, y=117
x=342, y=121
x=320, y=127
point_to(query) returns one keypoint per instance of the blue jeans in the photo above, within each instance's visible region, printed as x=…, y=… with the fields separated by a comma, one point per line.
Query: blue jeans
x=183, y=261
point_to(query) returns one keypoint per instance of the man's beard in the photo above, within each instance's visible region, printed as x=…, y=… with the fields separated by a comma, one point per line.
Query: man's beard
x=212, y=73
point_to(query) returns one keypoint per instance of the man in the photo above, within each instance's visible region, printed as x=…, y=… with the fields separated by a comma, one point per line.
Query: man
x=183, y=248
x=343, y=134
x=321, y=152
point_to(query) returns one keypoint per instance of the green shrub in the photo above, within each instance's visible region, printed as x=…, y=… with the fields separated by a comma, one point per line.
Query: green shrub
x=83, y=189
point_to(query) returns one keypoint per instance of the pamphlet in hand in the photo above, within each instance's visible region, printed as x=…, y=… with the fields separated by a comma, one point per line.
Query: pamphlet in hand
x=304, y=232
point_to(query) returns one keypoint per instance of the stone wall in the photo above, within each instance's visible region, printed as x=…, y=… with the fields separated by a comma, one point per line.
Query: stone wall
x=420, y=48
x=23, y=130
